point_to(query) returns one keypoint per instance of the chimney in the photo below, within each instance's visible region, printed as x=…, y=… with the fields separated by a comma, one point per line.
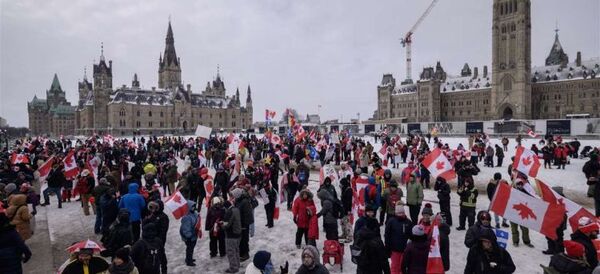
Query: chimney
x=485, y=72
x=475, y=73
x=578, y=60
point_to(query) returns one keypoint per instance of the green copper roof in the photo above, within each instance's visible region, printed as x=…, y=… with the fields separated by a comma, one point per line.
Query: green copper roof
x=55, y=83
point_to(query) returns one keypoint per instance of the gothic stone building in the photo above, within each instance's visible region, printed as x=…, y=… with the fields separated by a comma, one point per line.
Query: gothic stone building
x=512, y=90
x=169, y=109
x=54, y=115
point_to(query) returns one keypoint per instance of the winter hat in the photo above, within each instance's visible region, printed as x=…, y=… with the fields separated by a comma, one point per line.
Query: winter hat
x=217, y=200
x=497, y=176
x=587, y=226
x=237, y=193
x=574, y=249
x=370, y=208
x=418, y=230
x=123, y=216
x=261, y=259
x=399, y=209
x=123, y=254
x=427, y=210
x=312, y=251
x=10, y=188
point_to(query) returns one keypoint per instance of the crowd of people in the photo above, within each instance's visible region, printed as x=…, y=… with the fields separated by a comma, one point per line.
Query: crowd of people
x=125, y=184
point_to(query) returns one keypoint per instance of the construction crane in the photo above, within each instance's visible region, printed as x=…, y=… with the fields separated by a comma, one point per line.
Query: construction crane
x=407, y=41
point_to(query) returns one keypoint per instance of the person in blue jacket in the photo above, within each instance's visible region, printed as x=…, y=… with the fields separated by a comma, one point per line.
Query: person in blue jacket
x=188, y=232
x=135, y=204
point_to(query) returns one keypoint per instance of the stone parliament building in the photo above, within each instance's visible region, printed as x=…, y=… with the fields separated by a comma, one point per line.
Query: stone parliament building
x=169, y=109
x=512, y=90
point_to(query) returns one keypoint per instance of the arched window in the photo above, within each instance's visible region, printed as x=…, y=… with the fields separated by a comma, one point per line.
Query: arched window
x=507, y=83
x=138, y=113
x=149, y=113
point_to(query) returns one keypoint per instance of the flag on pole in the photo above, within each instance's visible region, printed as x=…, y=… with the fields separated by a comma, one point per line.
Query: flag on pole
x=434, y=261
x=70, y=170
x=45, y=168
x=526, y=161
x=574, y=210
x=437, y=163
x=528, y=211
x=177, y=205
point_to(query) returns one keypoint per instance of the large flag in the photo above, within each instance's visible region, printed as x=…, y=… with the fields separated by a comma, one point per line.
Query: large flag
x=209, y=187
x=177, y=205
x=528, y=211
x=574, y=210
x=19, y=158
x=235, y=173
x=358, y=203
x=275, y=139
x=526, y=161
x=70, y=170
x=434, y=261
x=92, y=165
x=383, y=150
x=45, y=168
x=437, y=163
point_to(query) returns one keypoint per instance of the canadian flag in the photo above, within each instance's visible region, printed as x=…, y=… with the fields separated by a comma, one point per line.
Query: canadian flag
x=70, y=170
x=45, y=168
x=92, y=166
x=434, y=261
x=532, y=133
x=275, y=139
x=108, y=139
x=235, y=173
x=177, y=205
x=383, y=150
x=19, y=158
x=358, y=203
x=201, y=158
x=437, y=163
x=313, y=136
x=574, y=210
x=526, y=161
x=527, y=211
x=209, y=186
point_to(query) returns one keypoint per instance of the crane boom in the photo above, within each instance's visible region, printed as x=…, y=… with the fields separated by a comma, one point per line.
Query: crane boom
x=407, y=40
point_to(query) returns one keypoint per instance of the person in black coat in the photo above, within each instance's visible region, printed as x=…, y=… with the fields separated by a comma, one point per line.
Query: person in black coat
x=444, y=242
x=482, y=226
x=373, y=257
x=416, y=253
x=56, y=180
x=222, y=181
x=270, y=206
x=110, y=210
x=242, y=201
x=145, y=252
x=161, y=221
x=572, y=261
x=443, y=194
x=487, y=257
x=119, y=235
x=95, y=265
x=398, y=230
x=13, y=250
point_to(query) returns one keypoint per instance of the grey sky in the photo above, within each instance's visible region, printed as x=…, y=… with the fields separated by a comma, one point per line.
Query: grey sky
x=293, y=53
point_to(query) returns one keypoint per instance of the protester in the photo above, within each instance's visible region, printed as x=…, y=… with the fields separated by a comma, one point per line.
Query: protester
x=483, y=224
x=414, y=197
x=443, y=194
x=86, y=262
x=188, y=232
x=328, y=212
x=215, y=214
x=514, y=227
x=491, y=190
x=122, y=263
x=572, y=261
x=135, y=204
x=390, y=197
x=397, y=233
x=415, y=256
x=119, y=234
x=13, y=250
x=373, y=255
x=145, y=252
x=468, y=201
x=303, y=211
x=311, y=262
x=18, y=213
x=232, y=226
x=586, y=232
x=487, y=257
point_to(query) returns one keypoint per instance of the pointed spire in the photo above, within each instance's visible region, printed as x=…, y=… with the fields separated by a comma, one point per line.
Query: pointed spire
x=135, y=83
x=249, y=96
x=84, y=74
x=101, y=51
x=218, y=73
x=170, y=56
x=557, y=55
x=55, y=83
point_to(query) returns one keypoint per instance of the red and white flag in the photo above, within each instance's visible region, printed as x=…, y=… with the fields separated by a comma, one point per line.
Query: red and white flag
x=235, y=173
x=92, y=165
x=328, y=171
x=70, y=170
x=358, y=203
x=435, y=264
x=177, y=205
x=275, y=139
x=383, y=150
x=45, y=168
x=526, y=161
x=532, y=134
x=527, y=211
x=574, y=210
x=19, y=158
x=437, y=163
x=201, y=158
x=209, y=186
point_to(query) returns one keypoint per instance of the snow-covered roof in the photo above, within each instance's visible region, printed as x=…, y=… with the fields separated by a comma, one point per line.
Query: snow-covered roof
x=589, y=69
x=403, y=89
x=208, y=101
x=141, y=97
x=464, y=83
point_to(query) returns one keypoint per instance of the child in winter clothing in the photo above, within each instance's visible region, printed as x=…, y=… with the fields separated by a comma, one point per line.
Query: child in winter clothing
x=304, y=210
x=189, y=233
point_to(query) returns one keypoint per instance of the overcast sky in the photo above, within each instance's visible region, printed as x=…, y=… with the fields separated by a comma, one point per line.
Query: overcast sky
x=297, y=54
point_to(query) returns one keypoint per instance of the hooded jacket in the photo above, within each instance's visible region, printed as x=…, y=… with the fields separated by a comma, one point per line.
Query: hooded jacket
x=496, y=261
x=414, y=259
x=590, y=250
x=144, y=247
x=187, y=229
x=327, y=207
x=160, y=219
x=119, y=235
x=373, y=257
x=397, y=232
x=301, y=207
x=317, y=267
x=133, y=202
x=19, y=215
x=478, y=229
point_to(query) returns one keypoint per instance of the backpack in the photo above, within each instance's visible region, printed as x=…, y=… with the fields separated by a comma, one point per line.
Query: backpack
x=151, y=259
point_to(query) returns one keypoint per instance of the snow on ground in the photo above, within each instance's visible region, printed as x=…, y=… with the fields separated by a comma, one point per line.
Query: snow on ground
x=69, y=224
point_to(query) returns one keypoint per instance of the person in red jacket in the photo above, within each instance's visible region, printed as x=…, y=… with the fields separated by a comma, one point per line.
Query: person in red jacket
x=304, y=210
x=560, y=156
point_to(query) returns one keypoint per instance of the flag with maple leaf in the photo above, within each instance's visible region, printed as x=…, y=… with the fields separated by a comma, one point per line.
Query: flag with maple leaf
x=383, y=151
x=528, y=211
x=437, y=163
x=435, y=264
x=70, y=165
x=526, y=161
x=358, y=202
x=45, y=168
x=177, y=205
x=19, y=158
x=574, y=210
x=275, y=139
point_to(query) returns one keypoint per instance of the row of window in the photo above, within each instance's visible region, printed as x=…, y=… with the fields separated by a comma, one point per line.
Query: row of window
x=508, y=7
x=123, y=113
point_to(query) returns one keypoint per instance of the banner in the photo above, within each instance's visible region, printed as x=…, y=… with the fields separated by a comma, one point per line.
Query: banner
x=203, y=132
